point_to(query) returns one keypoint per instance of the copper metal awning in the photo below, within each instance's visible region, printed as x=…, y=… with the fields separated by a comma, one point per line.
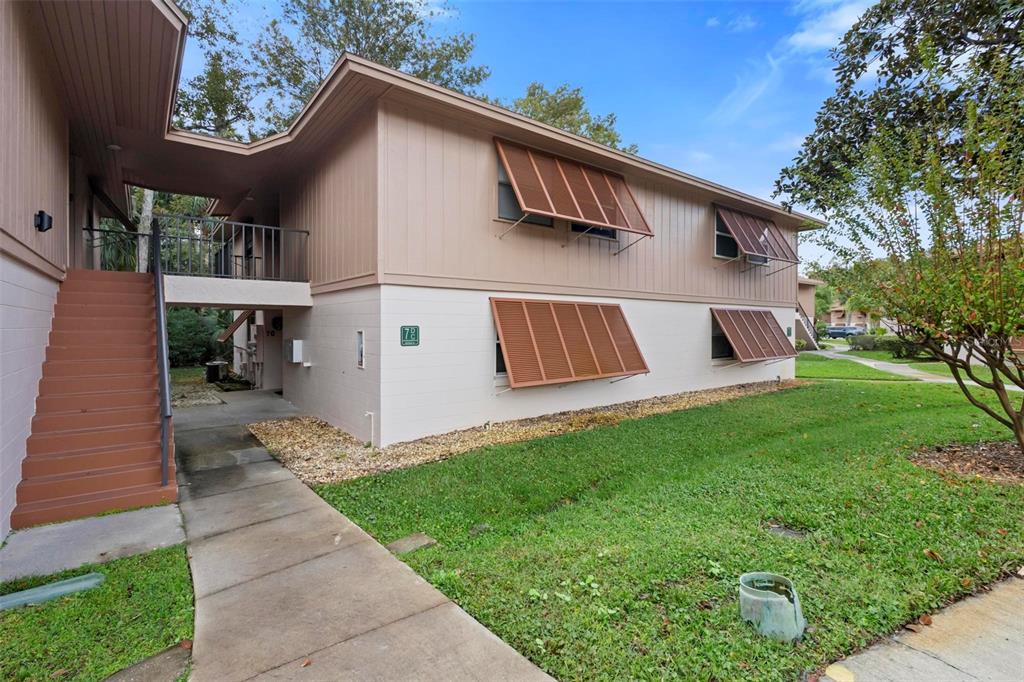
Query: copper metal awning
x=552, y=186
x=757, y=236
x=554, y=342
x=754, y=335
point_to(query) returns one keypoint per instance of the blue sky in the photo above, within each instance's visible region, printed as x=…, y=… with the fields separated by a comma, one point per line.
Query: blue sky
x=722, y=90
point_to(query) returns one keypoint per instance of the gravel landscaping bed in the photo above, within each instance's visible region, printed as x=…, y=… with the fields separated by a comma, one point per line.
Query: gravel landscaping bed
x=319, y=453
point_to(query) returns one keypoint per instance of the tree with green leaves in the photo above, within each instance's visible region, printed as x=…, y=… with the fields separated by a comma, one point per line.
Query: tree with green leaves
x=565, y=108
x=943, y=201
x=885, y=65
x=217, y=101
x=296, y=53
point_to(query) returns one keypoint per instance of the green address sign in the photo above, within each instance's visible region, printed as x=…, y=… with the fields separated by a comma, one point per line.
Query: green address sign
x=410, y=335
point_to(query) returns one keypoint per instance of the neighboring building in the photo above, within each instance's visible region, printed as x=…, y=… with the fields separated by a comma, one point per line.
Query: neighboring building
x=839, y=314
x=397, y=289
x=805, y=310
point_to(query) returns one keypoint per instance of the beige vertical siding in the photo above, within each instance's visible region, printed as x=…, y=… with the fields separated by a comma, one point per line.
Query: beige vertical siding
x=336, y=200
x=438, y=227
x=806, y=298
x=33, y=146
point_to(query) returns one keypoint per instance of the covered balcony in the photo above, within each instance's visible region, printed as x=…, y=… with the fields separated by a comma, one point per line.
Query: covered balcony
x=211, y=262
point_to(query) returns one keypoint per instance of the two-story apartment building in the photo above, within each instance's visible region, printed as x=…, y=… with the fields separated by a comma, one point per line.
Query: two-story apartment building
x=416, y=260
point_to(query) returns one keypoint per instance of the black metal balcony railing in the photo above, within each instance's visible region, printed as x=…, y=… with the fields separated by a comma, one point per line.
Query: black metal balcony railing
x=207, y=247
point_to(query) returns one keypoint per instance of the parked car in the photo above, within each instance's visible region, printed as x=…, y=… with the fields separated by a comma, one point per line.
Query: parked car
x=844, y=330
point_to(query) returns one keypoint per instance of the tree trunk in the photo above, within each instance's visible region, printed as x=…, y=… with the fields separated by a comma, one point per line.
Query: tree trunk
x=145, y=218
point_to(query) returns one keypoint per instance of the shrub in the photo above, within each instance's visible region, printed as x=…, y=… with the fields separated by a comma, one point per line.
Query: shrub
x=192, y=337
x=862, y=342
x=879, y=331
x=801, y=345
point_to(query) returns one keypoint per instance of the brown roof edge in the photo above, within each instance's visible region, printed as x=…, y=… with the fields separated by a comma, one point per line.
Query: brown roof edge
x=404, y=81
x=351, y=64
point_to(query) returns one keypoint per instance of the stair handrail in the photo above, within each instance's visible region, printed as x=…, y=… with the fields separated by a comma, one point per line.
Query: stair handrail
x=806, y=319
x=162, y=363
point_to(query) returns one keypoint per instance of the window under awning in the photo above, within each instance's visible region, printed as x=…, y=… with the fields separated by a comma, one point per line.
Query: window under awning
x=756, y=236
x=553, y=342
x=553, y=186
x=754, y=335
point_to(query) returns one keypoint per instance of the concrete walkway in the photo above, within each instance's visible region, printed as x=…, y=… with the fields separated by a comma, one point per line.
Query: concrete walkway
x=288, y=588
x=901, y=369
x=979, y=638
x=42, y=550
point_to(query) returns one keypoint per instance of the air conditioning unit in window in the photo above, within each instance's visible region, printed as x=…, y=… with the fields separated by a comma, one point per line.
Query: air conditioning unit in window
x=757, y=260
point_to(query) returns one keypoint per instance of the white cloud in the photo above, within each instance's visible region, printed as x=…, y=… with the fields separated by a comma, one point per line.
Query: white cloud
x=749, y=88
x=712, y=22
x=821, y=26
x=823, y=30
x=743, y=22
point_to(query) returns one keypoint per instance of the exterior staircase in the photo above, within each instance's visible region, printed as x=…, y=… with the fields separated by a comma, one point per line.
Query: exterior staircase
x=805, y=329
x=95, y=443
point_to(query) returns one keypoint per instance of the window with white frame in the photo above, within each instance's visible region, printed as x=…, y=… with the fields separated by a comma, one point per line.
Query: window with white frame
x=360, y=350
x=725, y=244
x=721, y=349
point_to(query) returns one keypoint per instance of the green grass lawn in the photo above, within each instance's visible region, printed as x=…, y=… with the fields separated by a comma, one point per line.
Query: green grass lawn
x=811, y=366
x=188, y=375
x=943, y=369
x=143, y=607
x=614, y=553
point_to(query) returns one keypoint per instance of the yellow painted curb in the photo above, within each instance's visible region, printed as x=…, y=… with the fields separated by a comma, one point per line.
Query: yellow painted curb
x=840, y=673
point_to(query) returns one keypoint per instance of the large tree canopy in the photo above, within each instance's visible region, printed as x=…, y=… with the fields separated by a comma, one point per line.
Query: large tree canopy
x=296, y=53
x=883, y=65
x=565, y=108
x=943, y=202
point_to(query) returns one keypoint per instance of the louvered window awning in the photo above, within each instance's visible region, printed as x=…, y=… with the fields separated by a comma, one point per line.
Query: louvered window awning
x=552, y=186
x=553, y=342
x=756, y=236
x=753, y=334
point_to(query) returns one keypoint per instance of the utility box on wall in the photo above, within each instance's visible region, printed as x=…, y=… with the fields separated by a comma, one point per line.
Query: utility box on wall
x=293, y=350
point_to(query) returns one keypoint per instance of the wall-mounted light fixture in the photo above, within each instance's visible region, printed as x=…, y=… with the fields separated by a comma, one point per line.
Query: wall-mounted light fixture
x=43, y=221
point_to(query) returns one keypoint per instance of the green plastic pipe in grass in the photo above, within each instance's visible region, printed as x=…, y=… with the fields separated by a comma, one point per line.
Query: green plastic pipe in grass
x=44, y=593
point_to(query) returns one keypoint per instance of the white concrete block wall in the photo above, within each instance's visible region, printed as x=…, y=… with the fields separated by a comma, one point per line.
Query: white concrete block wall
x=26, y=311
x=448, y=381
x=333, y=387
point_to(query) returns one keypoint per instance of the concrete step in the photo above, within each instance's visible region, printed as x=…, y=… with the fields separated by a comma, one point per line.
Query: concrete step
x=97, y=400
x=97, y=368
x=99, y=458
x=88, y=419
x=82, y=351
x=64, y=509
x=78, y=440
x=83, y=296
x=74, y=385
x=133, y=312
x=77, y=483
